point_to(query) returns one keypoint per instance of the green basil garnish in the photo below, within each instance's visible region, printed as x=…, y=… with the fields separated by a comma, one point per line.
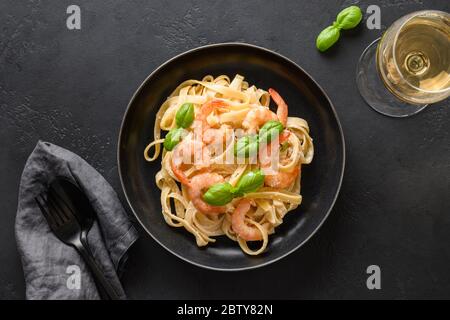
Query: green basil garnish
x=349, y=18
x=250, y=182
x=346, y=19
x=173, y=138
x=327, y=38
x=271, y=129
x=219, y=194
x=183, y=119
x=246, y=146
x=185, y=115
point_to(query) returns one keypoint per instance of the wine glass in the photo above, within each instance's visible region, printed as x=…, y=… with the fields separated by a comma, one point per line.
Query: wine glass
x=407, y=68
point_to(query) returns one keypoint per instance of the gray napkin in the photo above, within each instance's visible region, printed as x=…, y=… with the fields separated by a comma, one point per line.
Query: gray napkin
x=52, y=269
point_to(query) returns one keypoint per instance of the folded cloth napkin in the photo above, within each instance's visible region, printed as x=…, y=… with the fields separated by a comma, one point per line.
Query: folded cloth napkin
x=54, y=270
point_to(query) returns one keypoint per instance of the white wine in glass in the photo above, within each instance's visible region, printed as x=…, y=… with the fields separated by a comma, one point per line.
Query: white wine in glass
x=409, y=67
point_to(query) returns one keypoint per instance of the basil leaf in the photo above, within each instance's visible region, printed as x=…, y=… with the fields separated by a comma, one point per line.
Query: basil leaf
x=219, y=194
x=349, y=18
x=327, y=38
x=346, y=19
x=271, y=129
x=246, y=146
x=250, y=182
x=185, y=115
x=173, y=138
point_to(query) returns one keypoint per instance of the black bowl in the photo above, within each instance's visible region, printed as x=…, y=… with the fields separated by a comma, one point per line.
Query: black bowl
x=321, y=179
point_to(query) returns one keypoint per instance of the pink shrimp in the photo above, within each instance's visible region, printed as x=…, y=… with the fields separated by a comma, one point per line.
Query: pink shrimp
x=256, y=117
x=191, y=151
x=282, y=110
x=284, y=136
x=205, y=111
x=281, y=179
x=195, y=190
x=187, y=152
x=265, y=154
x=216, y=136
x=207, y=108
x=195, y=187
x=239, y=226
x=179, y=174
x=208, y=134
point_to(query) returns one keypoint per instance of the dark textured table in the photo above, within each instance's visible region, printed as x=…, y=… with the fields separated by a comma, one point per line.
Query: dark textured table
x=71, y=88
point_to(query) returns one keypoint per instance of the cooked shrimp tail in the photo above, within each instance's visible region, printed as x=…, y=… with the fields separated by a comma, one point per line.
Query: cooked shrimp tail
x=197, y=185
x=282, y=111
x=239, y=226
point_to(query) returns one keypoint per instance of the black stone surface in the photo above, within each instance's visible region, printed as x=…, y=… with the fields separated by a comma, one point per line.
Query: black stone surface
x=72, y=87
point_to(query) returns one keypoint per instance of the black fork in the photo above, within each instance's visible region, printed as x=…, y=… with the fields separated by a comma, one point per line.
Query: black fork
x=66, y=228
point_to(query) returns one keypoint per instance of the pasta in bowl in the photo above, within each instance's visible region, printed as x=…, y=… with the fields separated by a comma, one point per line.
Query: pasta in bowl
x=229, y=164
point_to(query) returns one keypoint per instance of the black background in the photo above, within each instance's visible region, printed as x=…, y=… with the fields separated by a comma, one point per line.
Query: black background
x=71, y=88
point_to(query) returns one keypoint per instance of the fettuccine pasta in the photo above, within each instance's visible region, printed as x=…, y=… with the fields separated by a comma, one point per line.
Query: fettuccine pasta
x=204, y=157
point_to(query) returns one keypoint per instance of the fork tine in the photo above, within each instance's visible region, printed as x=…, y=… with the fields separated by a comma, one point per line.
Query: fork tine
x=63, y=204
x=40, y=202
x=57, y=205
x=54, y=210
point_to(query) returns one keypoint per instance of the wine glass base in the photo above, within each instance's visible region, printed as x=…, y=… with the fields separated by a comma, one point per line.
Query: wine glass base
x=373, y=90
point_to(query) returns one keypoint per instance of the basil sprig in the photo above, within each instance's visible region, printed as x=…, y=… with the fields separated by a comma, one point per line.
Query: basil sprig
x=220, y=194
x=183, y=119
x=248, y=145
x=185, y=115
x=173, y=138
x=346, y=19
x=349, y=18
x=270, y=130
x=250, y=182
x=328, y=37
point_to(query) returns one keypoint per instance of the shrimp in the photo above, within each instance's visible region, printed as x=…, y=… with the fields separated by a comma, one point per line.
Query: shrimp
x=196, y=185
x=281, y=179
x=195, y=191
x=216, y=136
x=207, y=108
x=188, y=151
x=257, y=117
x=265, y=154
x=282, y=109
x=208, y=134
x=179, y=174
x=191, y=151
x=239, y=226
x=260, y=115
